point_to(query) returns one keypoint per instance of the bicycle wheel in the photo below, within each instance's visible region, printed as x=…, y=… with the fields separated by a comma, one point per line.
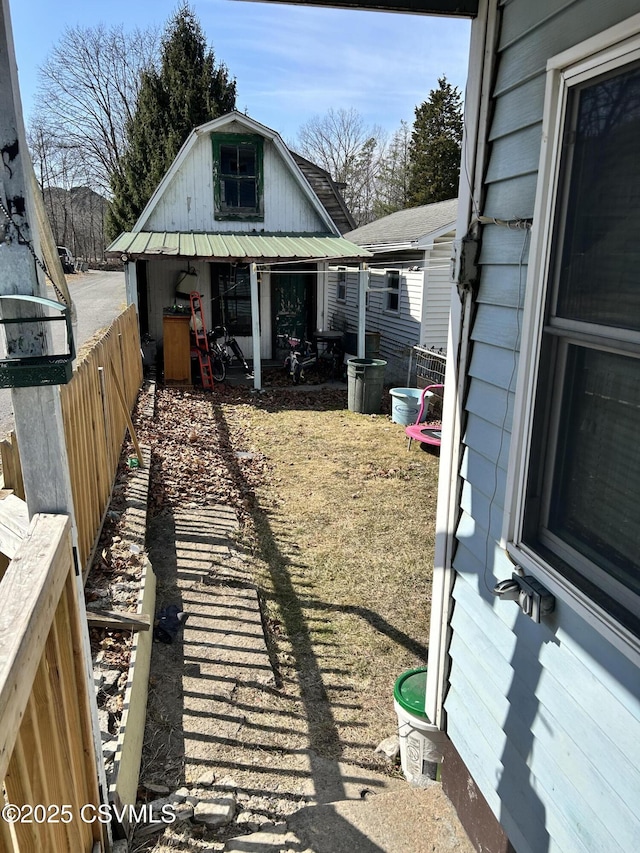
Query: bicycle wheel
x=218, y=368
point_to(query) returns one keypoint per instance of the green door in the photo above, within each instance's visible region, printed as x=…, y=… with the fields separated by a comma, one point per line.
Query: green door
x=292, y=303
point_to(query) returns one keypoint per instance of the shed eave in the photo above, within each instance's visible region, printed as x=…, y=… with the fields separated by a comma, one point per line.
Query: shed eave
x=448, y=8
x=243, y=248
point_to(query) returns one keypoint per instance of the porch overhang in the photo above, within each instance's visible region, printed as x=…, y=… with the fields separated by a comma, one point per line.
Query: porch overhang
x=255, y=250
x=233, y=247
x=450, y=8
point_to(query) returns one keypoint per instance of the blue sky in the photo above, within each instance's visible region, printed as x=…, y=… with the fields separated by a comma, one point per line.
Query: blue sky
x=290, y=62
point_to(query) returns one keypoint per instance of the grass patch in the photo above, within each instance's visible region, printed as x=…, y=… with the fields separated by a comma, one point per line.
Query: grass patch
x=342, y=523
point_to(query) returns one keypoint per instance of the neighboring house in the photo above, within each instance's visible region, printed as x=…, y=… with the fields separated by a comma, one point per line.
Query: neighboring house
x=237, y=218
x=409, y=285
x=540, y=463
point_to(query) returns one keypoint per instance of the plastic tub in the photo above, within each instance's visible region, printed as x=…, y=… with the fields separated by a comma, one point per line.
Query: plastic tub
x=405, y=405
x=421, y=743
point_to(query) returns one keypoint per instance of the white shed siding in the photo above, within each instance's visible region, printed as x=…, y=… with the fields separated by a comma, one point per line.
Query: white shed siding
x=546, y=717
x=400, y=330
x=437, y=295
x=339, y=311
x=423, y=315
x=187, y=204
x=162, y=277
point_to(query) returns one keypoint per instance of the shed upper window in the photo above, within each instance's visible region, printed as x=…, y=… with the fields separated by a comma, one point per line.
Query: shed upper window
x=238, y=169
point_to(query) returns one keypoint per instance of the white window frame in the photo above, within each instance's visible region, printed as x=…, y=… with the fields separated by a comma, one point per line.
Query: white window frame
x=341, y=283
x=614, y=48
x=391, y=291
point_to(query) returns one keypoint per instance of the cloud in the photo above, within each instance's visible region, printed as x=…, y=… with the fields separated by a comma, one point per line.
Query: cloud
x=292, y=63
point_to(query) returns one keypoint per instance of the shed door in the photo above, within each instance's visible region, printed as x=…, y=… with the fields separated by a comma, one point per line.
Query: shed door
x=292, y=304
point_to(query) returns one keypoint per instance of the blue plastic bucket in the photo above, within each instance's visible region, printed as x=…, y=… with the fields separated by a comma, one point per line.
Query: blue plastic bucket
x=405, y=405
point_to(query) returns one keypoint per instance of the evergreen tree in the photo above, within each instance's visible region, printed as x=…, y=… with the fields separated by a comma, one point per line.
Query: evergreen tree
x=436, y=146
x=188, y=89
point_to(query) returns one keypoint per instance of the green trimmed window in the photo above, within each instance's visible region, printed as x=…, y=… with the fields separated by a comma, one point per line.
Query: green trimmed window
x=238, y=174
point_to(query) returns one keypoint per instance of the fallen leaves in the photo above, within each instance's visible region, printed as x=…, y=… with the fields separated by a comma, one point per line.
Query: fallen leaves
x=195, y=457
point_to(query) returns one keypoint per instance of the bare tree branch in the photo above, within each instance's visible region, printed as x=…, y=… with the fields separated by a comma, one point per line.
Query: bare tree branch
x=89, y=86
x=352, y=153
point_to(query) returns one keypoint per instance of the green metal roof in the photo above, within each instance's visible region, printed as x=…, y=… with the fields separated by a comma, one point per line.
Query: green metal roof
x=236, y=247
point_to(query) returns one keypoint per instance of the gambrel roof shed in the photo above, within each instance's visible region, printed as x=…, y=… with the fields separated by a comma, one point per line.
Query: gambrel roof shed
x=186, y=202
x=236, y=211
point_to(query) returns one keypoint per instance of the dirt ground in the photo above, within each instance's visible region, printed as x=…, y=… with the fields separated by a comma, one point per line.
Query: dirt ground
x=239, y=511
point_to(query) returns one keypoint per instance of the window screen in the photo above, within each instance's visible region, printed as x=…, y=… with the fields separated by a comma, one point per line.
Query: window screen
x=583, y=489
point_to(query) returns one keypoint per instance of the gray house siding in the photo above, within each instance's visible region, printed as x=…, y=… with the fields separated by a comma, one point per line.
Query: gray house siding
x=540, y=714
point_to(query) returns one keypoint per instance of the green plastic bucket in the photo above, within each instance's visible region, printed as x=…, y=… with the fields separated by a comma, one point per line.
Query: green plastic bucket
x=365, y=380
x=421, y=743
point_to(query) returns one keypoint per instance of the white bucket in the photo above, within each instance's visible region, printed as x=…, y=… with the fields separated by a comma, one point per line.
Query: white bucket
x=405, y=405
x=421, y=745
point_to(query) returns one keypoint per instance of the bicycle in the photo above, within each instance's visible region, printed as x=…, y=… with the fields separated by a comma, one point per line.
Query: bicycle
x=300, y=356
x=220, y=355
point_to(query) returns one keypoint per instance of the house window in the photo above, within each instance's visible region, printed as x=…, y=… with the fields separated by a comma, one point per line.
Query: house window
x=393, y=290
x=578, y=518
x=231, y=298
x=341, y=286
x=237, y=163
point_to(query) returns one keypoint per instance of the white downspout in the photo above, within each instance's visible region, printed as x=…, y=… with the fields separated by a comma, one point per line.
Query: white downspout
x=255, y=327
x=363, y=286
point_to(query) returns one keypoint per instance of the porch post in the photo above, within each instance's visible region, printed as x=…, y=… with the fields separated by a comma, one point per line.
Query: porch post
x=255, y=327
x=363, y=286
x=37, y=410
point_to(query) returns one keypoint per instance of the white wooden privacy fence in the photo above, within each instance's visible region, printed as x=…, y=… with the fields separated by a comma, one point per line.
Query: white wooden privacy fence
x=47, y=759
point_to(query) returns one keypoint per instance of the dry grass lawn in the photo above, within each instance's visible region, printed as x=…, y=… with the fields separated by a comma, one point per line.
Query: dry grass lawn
x=341, y=523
